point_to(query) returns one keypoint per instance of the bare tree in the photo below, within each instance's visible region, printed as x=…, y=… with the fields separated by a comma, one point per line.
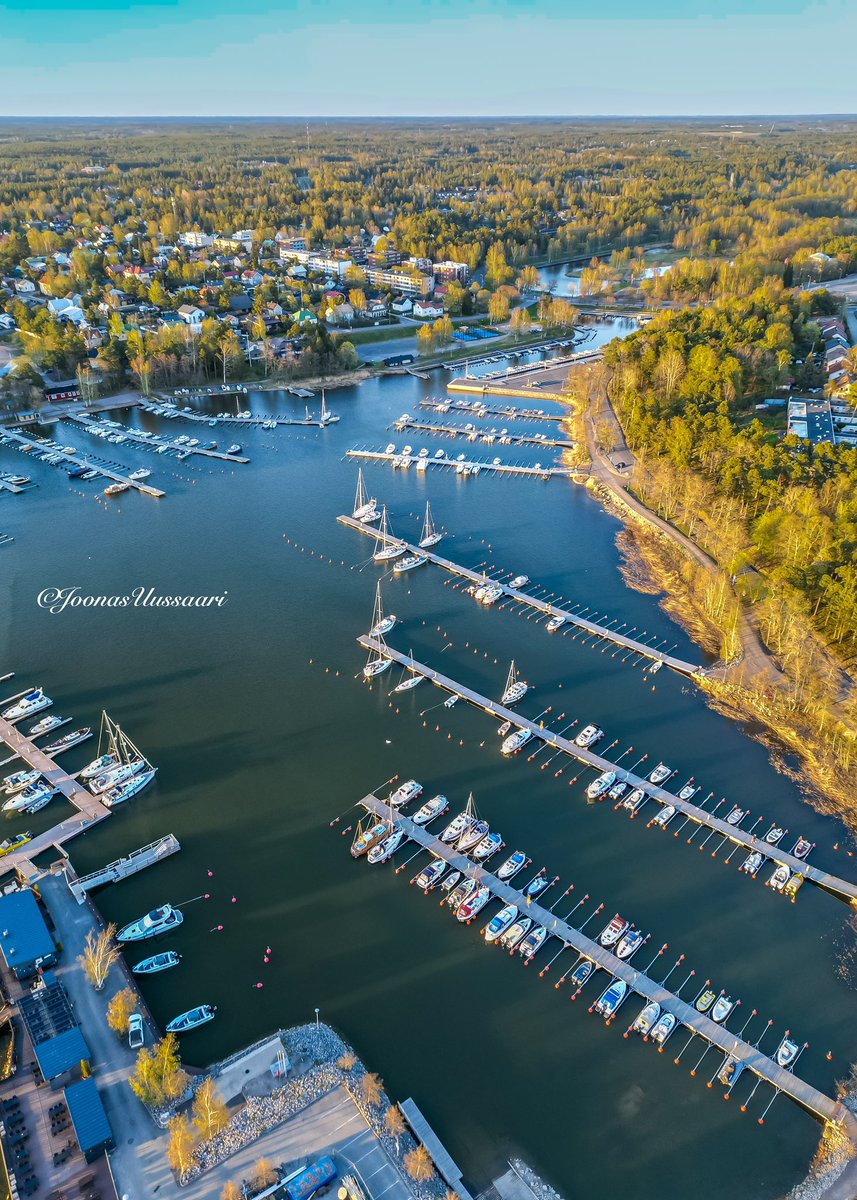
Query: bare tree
x=99, y=955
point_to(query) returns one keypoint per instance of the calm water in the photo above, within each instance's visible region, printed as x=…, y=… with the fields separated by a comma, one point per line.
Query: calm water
x=258, y=748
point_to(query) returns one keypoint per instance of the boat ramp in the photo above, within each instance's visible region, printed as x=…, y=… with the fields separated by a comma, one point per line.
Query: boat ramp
x=809, y=1098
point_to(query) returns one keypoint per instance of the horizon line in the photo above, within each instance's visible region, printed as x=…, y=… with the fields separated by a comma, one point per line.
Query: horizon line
x=653, y=116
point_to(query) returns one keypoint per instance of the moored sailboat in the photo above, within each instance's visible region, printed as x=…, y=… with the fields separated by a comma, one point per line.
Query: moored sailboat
x=386, y=547
x=516, y=688
x=365, y=507
x=431, y=535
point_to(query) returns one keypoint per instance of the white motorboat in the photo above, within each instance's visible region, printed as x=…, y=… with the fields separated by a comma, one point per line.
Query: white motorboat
x=491, y=594
x=656, y=666
x=33, y=702
x=630, y=943
x=159, y=920
x=503, y=729
x=191, y=1019
x=635, y=800
x=618, y=790
x=431, y=809
x=386, y=849
x=588, y=736
x=431, y=535
x=787, y=1052
x=532, y=943
x=780, y=878
x=688, y=791
x=601, y=785
x=801, y=848
x=752, y=863
x=45, y=725
x=450, y=881
x=386, y=546
x=130, y=787
x=98, y=766
x=611, y=998
x=513, y=864
x=664, y=815
x=381, y=625
x=581, y=973
x=501, y=922
x=460, y=893
x=647, y=1018
x=554, y=624
x=409, y=563
x=20, y=780
x=515, y=932
x=516, y=688
x=473, y=904
x=405, y=793
x=513, y=743
x=660, y=773
x=140, y=474
x=472, y=836
x=41, y=801
x=731, y=1071
x=736, y=816
x=31, y=795
x=663, y=1028
x=69, y=740
x=456, y=827
x=116, y=775
x=774, y=835
x=490, y=844
x=611, y=932
x=519, y=581
x=365, y=507
x=723, y=1006
x=538, y=883
x=157, y=962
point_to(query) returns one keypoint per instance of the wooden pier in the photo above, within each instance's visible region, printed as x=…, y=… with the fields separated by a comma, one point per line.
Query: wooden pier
x=143, y=442
x=541, y=472
x=204, y=419
x=842, y=889
x=457, y=431
x=492, y=410
x=121, y=868
x=809, y=1098
x=81, y=460
x=549, y=610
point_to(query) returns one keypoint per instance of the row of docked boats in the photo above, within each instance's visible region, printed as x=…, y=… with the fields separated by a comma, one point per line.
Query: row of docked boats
x=164, y=919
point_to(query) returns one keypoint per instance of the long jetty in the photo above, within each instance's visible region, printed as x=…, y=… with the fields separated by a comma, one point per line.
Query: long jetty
x=143, y=442
x=842, y=889
x=458, y=431
x=122, y=868
x=550, y=610
x=809, y=1098
x=204, y=419
x=81, y=460
x=542, y=472
x=494, y=410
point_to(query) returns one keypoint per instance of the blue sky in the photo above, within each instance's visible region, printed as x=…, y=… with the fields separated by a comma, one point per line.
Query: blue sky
x=414, y=57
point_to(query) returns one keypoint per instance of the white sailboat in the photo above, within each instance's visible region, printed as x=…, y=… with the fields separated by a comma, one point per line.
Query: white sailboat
x=365, y=507
x=381, y=625
x=327, y=417
x=431, y=535
x=378, y=662
x=386, y=547
x=516, y=688
x=410, y=679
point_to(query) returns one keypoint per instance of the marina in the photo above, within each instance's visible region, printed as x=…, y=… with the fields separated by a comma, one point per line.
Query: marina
x=161, y=444
x=715, y=1034
x=481, y=409
x=842, y=889
x=171, y=411
x=492, y=435
x=86, y=463
x=462, y=465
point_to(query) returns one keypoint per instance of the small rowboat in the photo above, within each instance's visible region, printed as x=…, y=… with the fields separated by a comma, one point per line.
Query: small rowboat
x=157, y=962
x=192, y=1019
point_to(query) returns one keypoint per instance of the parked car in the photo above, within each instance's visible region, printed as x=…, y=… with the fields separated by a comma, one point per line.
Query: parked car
x=136, y=1033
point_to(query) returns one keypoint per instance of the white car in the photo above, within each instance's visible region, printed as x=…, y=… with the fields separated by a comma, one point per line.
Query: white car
x=136, y=1034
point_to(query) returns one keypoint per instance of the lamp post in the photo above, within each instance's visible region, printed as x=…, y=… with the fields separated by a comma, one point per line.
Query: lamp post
x=316, y=1017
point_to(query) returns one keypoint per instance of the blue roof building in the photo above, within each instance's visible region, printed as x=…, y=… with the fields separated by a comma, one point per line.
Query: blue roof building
x=91, y=1124
x=25, y=940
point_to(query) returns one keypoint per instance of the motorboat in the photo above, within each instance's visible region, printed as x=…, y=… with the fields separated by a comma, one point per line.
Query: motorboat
x=384, y=850
x=588, y=736
x=408, y=563
x=688, y=792
x=431, y=809
x=731, y=1071
x=581, y=973
x=793, y=886
x=630, y=943
x=157, y=962
x=10, y=845
x=501, y=922
x=115, y=775
x=664, y=816
x=656, y=666
x=515, y=690
x=801, y=848
x=490, y=844
x=450, y=702
x=456, y=827
x=70, y=739
x=23, y=800
x=430, y=875
x=20, y=780
x=33, y=702
x=787, y=1052
x=660, y=773
x=391, y=449
x=752, y=863
x=635, y=800
x=405, y=793
x=192, y=1019
x=491, y=594
x=736, y=816
x=370, y=837
x=705, y=1000
x=601, y=785
x=618, y=790
x=513, y=864
x=140, y=474
x=647, y=1018
x=472, y=836
x=460, y=893
x=45, y=725
x=234, y=449
x=532, y=943
x=723, y=1006
x=117, y=489
x=537, y=885
x=611, y=998
x=42, y=800
x=98, y=766
x=554, y=624
x=430, y=535
x=663, y=1028
x=474, y=904
x=504, y=728
x=780, y=878
x=515, y=741
x=159, y=920
x=450, y=881
x=611, y=932
x=774, y=835
x=519, y=581
x=515, y=932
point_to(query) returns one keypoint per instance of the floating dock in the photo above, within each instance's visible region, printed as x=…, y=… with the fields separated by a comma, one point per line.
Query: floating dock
x=809, y=1098
x=492, y=410
x=457, y=431
x=550, y=610
x=174, y=413
x=142, y=442
x=81, y=460
x=473, y=465
x=842, y=889
x=136, y=861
